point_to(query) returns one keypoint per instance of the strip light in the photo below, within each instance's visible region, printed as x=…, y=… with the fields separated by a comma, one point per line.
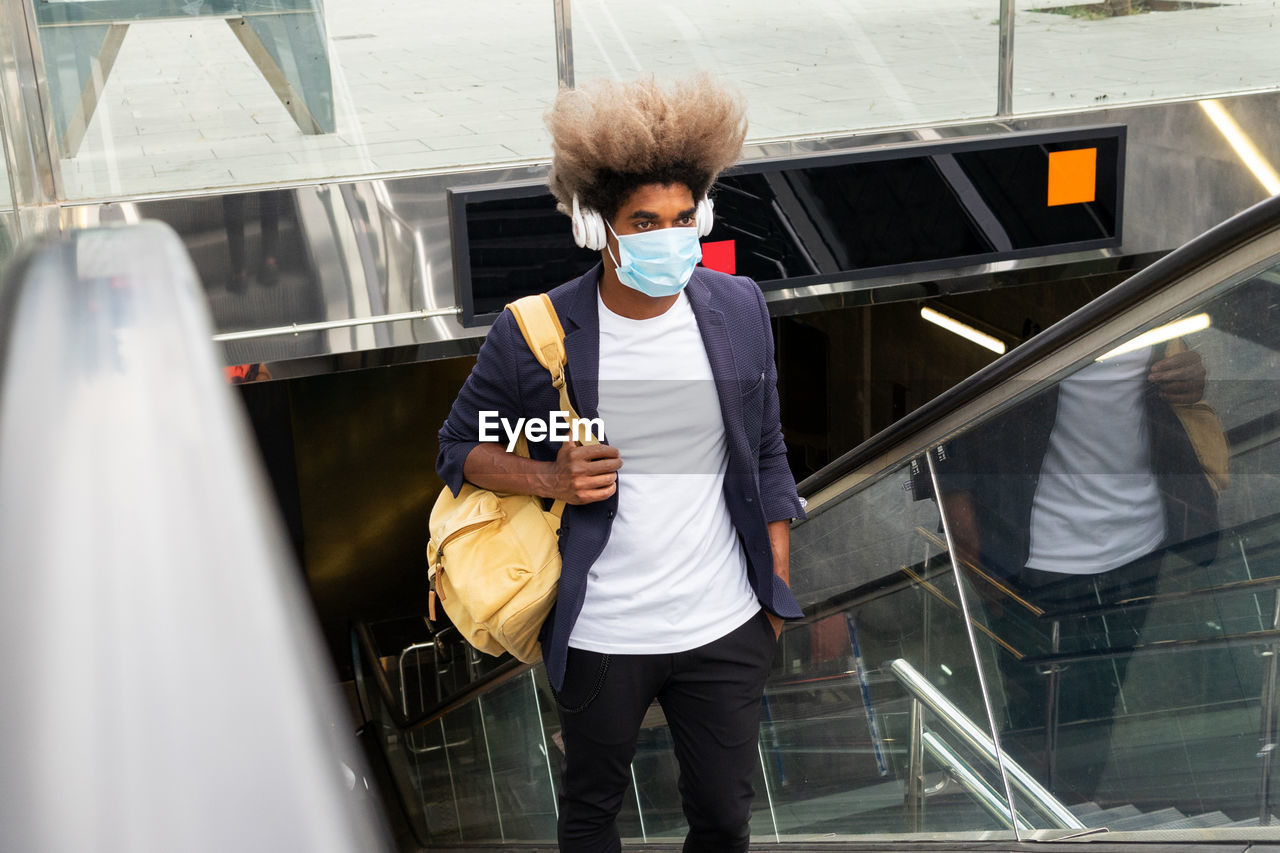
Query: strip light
x=965, y=331
x=1243, y=145
x=1160, y=334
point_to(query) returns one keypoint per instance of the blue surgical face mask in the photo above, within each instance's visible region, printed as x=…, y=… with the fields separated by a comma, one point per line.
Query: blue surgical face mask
x=658, y=262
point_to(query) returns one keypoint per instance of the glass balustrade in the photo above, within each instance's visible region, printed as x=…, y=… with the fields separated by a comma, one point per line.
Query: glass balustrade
x=1084, y=55
x=174, y=97
x=814, y=67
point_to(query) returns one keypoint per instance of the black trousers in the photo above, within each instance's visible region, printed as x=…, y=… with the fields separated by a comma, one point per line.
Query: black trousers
x=711, y=698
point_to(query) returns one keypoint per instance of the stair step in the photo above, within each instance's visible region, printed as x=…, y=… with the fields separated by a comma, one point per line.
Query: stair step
x=1147, y=820
x=1253, y=821
x=1082, y=809
x=1103, y=817
x=1200, y=821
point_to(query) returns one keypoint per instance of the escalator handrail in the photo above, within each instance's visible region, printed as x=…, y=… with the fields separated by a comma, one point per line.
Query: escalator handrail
x=182, y=680
x=1243, y=228
x=365, y=648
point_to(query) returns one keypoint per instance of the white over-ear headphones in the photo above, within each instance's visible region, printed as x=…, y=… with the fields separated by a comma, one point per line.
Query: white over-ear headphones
x=704, y=216
x=588, y=227
x=589, y=231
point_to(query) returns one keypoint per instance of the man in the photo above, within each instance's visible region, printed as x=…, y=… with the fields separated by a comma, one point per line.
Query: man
x=675, y=538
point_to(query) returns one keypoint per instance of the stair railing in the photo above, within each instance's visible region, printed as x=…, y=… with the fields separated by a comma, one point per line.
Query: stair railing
x=925, y=696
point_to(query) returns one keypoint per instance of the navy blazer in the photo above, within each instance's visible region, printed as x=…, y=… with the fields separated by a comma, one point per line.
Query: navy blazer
x=758, y=488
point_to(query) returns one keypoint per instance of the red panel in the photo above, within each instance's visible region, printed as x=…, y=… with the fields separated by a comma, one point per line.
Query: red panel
x=719, y=256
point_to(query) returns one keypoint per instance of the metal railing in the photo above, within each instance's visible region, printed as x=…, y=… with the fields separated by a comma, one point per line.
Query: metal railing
x=364, y=651
x=925, y=696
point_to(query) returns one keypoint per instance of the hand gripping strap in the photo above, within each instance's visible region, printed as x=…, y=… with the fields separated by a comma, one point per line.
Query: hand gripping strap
x=536, y=317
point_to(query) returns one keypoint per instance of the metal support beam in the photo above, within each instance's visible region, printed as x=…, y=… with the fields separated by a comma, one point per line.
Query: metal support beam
x=564, y=44
x=1267, y=735
x=915, y=768
x=1004, y=78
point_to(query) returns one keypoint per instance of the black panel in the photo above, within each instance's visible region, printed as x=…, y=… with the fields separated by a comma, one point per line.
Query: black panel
x=823, y=218
x=1012, y=181
x=517, y=244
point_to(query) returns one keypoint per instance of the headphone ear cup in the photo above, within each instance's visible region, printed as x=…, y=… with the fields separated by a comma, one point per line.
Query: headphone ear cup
x=579, y=224
x=704, y=216
x=594, y=223
x=588, y=227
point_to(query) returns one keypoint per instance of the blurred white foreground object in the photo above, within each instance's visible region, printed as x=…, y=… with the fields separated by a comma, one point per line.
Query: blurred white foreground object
x=165, y=688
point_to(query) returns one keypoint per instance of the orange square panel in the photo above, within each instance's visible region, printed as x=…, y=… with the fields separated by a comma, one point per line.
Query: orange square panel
x=1072, y=176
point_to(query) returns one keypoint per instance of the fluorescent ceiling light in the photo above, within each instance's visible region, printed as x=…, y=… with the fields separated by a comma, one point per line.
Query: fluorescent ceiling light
x=1160, y=334
x=968, y=332
x=1243, y=146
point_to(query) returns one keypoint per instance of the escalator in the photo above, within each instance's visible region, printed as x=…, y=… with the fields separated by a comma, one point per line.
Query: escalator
x=933, y=694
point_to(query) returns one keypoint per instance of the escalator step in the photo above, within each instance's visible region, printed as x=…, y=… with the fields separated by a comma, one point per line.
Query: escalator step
x=1105, y=816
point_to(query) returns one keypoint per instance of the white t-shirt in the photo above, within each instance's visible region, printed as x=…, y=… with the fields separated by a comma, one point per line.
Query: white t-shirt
x=1097, y=505
x=673, y=575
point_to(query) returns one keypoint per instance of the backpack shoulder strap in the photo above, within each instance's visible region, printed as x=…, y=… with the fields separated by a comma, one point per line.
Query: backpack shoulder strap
x=542, y=331
x=536, y=317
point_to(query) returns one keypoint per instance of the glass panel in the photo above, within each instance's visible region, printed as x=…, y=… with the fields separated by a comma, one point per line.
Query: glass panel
x=1120, y=529
x=844, y=750
x=1145, y=50
x=815, y=67
x=8, y=237
x=513, y=730
x=480, y=773
x=474, y=785
x=8, y=208
x=174, y=96
x=432, y=782
x=493, y=771
x=420, y=794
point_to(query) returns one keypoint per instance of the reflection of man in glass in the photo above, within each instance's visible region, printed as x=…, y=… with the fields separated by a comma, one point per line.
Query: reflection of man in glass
x=1060, y=499
x=233, y=212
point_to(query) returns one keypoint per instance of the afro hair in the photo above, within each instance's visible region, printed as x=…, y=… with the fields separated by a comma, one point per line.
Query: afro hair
x=609, y=138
